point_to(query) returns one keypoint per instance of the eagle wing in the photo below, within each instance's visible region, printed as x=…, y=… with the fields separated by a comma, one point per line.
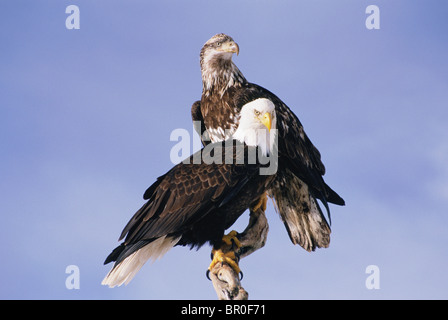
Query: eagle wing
x=296, y=150
x=198, y=123
x=180, y=198
x=299, y=180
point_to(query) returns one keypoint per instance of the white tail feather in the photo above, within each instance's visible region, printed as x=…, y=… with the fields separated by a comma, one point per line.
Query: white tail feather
x=128, y=268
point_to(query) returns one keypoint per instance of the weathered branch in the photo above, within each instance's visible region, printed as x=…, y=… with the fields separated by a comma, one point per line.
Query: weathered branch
x=255, y=235
x=225, y=280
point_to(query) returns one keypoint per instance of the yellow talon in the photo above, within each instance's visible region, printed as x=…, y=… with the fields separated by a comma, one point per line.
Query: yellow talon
x=231, y=238
x=262, y=203
x=228, y=257
x=226, y=252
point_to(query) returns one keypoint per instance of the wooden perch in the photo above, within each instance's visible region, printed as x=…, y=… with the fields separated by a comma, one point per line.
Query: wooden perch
x=225, y=280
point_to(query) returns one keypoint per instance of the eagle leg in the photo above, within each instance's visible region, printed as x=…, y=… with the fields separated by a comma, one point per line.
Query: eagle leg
x=227, y=253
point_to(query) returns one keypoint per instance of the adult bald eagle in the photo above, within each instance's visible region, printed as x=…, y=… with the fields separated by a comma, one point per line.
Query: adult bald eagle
x=299, y=182
x=194, y=203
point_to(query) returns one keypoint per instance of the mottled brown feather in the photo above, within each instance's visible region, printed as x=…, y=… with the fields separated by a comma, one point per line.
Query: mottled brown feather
x=192, y=202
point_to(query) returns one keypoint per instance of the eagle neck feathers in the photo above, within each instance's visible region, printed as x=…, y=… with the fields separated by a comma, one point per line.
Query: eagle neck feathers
x=218, y=75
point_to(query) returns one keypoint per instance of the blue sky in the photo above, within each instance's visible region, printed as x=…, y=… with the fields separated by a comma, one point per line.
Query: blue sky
x=86, y=116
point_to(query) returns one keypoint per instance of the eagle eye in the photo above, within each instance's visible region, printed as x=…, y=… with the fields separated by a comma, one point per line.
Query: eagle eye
x=218, y=44
x=257, y=113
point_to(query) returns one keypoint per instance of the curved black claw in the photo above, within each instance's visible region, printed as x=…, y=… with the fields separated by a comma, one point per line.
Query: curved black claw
x=207, y=274
x=242, y=275
x=233, y=245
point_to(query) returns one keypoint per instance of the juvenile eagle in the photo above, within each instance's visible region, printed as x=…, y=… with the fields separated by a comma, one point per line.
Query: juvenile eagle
x=194, y=203
x=299, y=182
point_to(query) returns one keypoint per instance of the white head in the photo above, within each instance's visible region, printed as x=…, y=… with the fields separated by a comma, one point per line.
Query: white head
x=257, y=125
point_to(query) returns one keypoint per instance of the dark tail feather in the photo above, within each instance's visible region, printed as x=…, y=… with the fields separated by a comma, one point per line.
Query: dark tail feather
x=113, y=256
x=333, y=197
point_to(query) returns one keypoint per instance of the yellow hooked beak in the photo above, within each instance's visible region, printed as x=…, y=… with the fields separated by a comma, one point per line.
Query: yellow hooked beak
x=266, y=119
x=230, y=46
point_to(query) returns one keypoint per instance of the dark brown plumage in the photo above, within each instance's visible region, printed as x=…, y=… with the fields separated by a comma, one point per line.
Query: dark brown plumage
x=191, y=204
x=299, y=181
x=201, y=197
x=193, y=201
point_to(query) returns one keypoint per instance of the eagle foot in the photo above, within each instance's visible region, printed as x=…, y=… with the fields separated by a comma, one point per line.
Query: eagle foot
x=230, y=257
x=262, y=203
x=231, y=239
x=227, y=253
